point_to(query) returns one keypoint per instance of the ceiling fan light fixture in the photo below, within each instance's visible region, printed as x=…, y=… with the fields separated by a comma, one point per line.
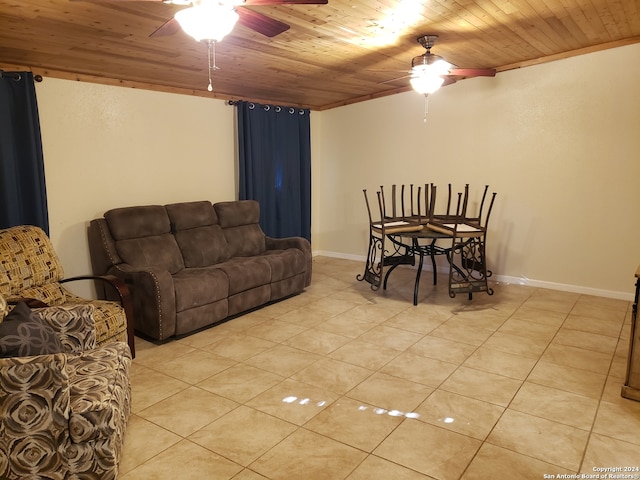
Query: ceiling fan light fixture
x=429, y=64
x=426, y=84
x=207, y=20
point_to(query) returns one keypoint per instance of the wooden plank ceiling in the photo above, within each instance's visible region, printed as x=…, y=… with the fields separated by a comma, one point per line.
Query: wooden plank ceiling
x=335, y=54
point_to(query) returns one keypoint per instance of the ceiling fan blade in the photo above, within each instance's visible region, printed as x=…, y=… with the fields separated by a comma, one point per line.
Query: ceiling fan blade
x=167, y=28
x=285, y=2
x=473, y=72
x=448, y=80
x=261, y=23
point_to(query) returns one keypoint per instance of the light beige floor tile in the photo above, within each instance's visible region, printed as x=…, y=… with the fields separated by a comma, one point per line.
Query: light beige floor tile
x=390, y=392
x=306, y=454
x=518, y=345
x=460, y=414
x=545, y=440
x=552, y=300
x=586, y=340
x=364, y=354
x=485, y=386
x=613, y=389
x=596, y=362
x=556, y=405
x=275, y=330
x=195, y=366
x=333, y=306
x=345, y=326
x=243, y=434
x=391, y=337
x=317, y=341
x=377, y=468
x=240, y=383
x=187, y=411
x=618, y=367
x=528, y=329
x=247, y=474
x=205, y=337
x=150, y=387
x=355, y=423
x=442, y=349
x=569, y=379
x=603, y=451
x=502, y=363
x=537, y=315
x=609, y=326
x=429, y=450
x=414, y=323
x=239, y=346
x=306, y=316
x=237, y=326
x=293, y=401
x=620, y=421
x=186, y=461
x=370, y=313
x=144, y=440
x=600, y=307
x=151, y=355
x=332, y=375
x=283, y=360
x=493, y=462
x=427, y=371
x=460, y=332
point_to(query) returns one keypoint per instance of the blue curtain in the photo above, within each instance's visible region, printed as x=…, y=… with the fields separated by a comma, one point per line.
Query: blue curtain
x=275, y=166
x=23, y=196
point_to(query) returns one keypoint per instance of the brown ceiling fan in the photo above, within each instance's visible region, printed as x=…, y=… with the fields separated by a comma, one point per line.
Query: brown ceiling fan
x=256, y=21
x=430, y=72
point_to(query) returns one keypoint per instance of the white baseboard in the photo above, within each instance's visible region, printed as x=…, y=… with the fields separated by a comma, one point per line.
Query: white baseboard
x=597, y=292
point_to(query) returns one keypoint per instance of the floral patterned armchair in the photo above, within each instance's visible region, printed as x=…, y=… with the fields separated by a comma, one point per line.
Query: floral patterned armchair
x=31, y=271
x=64, y=401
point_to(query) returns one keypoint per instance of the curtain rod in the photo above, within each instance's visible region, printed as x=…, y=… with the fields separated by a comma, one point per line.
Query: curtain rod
x=17, y=77
x=277, y=108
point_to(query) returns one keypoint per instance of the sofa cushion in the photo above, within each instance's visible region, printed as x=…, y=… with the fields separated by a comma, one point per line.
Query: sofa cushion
x=186, y=215
x=239, y=221
x=143, y=237
x=159, y=251
x=246, y=273
x=24, y=334
x=135, y=222
x=200, y=238
x=195, y=287
x=285, y=263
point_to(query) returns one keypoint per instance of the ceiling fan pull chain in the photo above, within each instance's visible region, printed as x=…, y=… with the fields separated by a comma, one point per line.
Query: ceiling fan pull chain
x=426, y=107
x=211, y=57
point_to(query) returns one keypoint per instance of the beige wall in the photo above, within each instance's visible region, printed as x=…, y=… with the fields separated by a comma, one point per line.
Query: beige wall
x=558, y=142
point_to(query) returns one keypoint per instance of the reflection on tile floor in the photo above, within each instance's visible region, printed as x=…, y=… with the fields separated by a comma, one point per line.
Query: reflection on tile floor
x=341, y=382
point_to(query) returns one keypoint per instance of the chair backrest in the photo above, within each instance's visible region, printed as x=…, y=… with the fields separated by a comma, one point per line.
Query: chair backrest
x=29, y=266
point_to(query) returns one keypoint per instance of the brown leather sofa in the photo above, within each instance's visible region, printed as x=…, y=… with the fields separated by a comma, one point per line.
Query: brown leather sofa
x=193, y=264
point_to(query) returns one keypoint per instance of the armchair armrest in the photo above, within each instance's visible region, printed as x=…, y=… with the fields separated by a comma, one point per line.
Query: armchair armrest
x=124, y=296
x=74, y=325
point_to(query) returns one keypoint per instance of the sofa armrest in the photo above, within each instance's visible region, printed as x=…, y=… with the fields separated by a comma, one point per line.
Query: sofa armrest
x=153, y=299
x=74, y=325
x=293, y=242
x=35, y=398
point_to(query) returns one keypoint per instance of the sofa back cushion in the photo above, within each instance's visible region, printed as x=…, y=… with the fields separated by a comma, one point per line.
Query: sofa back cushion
x=143, y=237
x=200, y=238
x=29, y=266
x=239, y=222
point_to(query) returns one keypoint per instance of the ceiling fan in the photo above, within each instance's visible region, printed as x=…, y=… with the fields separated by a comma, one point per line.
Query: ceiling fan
x=429, y=72
x=228, y=12
x=212, y=20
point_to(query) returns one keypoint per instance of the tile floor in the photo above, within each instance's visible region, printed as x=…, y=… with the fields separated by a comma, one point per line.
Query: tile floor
x=341, y=382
